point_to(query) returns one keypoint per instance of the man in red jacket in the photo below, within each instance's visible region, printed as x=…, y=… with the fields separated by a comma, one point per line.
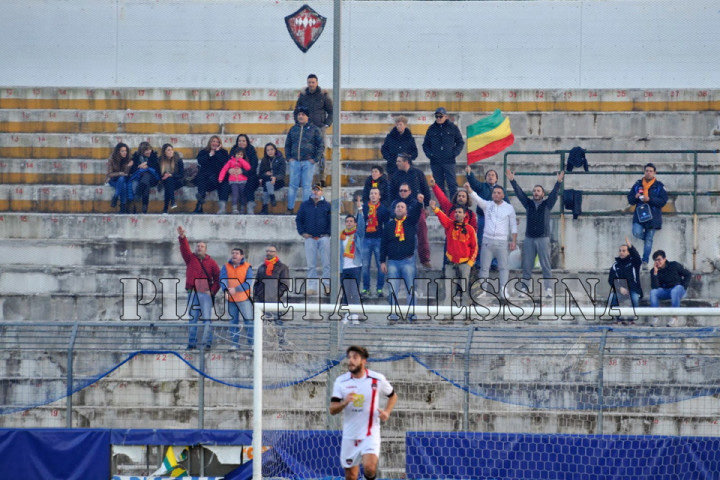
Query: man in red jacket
x=202, y=282
x=462, y=248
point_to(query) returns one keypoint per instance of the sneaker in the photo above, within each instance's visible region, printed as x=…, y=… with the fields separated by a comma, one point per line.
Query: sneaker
x=173, y=206
x=653, y=321
x=289, y=212
x=235, y=210
x=364, y=293
x=645, y=266
x=234, y=348
x=427, y=265
x=346, y=318
x=354, y=319
x=393, y=318
x=380, y=293
x=549, y=293
x=672, y=322
x=311, y=292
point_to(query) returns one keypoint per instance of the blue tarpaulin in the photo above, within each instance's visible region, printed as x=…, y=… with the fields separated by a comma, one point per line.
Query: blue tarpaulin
x=51, y=454
x=464, y=455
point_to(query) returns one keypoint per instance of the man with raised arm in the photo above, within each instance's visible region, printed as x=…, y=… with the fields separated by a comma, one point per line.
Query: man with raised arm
x=356, y=394
x=537, y=231
x=500, y=222
x=202, y=282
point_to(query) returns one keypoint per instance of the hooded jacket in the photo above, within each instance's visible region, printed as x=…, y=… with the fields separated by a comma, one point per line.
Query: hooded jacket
x=627, y=269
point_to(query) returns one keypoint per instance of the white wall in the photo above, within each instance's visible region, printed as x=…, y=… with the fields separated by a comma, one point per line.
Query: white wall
x=244, y=43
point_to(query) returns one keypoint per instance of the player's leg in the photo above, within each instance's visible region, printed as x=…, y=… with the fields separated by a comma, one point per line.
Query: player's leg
x=370, y=462
x=352, y=472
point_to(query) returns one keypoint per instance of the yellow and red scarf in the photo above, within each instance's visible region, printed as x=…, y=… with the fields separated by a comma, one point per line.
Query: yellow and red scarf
x=399, y=229
x=350, y=247
x=372, y=222
x=270, y=264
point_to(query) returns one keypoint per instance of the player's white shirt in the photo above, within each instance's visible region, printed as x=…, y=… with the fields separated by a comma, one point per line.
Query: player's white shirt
x=361, y=418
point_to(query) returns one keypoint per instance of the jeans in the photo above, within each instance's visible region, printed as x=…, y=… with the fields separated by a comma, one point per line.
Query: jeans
x=460, y=271
x=616, y=298
x=313, y=250
x=350, y=278
x=301, y=174
x=397, y=270
x=170, y=185
x=269, y=188
x=200, y=305
x=244, y=308
x=445, y=172
x=675, y=294
x=645, y=234
x=539, y=247
x=371, y=246
x=121, y=186
x=143, y=185
x=496, y=249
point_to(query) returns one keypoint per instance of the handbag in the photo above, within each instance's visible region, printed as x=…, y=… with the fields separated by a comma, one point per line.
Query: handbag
x=644, y=213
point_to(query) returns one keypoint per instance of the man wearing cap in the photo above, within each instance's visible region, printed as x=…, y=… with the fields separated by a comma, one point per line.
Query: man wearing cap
x=313, y=224
x=443, y=142
x=303, y=149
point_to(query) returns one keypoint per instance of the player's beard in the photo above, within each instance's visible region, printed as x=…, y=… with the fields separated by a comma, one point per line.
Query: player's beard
x=356, y=370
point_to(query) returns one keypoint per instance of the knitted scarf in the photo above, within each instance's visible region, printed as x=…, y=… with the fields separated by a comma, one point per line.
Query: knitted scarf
x=270, y=264
x=399, y=229
x=372, y=222
x=350, y=247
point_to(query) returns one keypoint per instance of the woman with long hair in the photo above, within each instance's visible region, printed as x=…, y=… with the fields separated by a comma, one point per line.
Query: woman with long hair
x=271, y=175
x=118, y=176
x=243, y=141
x=172, y=171
x=145, y=172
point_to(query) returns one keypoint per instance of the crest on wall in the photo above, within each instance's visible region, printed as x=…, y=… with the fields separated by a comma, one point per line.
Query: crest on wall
x=305, y=27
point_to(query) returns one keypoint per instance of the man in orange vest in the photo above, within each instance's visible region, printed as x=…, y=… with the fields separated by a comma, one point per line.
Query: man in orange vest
x=235, y=278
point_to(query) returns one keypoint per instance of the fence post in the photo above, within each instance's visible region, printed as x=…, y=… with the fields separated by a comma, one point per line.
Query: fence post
x=201, y=390
x=561, y=205
x=69, y=386
x=603, y=341
x=695, y=217
x=466, y=396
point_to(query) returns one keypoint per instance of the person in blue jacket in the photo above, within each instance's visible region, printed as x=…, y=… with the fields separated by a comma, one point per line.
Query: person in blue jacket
x=651, y=192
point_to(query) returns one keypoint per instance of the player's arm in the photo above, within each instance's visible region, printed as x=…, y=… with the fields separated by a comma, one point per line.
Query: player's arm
x=337, y=405
x=385, y=414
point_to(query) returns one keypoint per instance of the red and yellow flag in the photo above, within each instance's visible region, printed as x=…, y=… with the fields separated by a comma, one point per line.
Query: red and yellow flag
x=488, y=136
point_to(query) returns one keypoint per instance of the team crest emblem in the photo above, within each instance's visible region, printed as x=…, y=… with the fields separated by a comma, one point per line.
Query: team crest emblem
x=305, y=27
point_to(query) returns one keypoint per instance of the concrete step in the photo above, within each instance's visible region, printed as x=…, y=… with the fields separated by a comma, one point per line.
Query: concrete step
x=96, y=199
x=208, y=122
x=192, y=122
x=587, y=241
x=475, y=100
x=353, y=147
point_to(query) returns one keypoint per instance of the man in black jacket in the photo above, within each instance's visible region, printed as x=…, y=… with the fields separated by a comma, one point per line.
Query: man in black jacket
x=272, y=281
x=537, y=230
x=397, y=251
x=624, y=277
x=320, y=108
x=668, y=280
x=399, y=140
x=443, y=142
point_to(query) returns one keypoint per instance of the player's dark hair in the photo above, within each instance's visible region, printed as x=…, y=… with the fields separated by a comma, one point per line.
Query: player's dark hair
x=362, y=351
